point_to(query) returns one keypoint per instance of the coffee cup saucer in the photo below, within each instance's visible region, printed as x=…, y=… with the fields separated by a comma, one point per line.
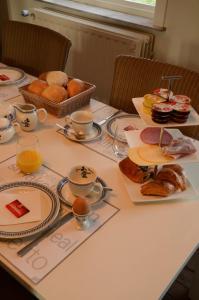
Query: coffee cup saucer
x=94, y=134
x=68, y=198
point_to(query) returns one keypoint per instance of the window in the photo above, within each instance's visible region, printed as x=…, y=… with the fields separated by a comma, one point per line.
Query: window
x=153, y=9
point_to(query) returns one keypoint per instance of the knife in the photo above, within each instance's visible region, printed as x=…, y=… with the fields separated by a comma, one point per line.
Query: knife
x=109, y=117
x=59, y=222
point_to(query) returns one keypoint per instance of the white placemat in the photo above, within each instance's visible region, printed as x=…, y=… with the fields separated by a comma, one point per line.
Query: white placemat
x=52, y=250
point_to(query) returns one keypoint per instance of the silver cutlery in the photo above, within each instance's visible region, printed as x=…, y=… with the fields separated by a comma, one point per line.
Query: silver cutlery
x=67, y=128
x=58, y=223
x=109, y=117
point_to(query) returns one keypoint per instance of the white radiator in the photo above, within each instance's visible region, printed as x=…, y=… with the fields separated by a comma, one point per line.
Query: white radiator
x=94, y=47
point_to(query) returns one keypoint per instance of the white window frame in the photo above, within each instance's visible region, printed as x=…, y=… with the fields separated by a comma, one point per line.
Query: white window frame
x=157, y=13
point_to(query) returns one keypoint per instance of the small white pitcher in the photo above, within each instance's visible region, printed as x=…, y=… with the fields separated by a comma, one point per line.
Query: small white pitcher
x=28, y=116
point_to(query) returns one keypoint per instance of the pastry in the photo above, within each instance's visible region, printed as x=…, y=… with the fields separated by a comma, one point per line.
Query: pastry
x=178, y=169
x=134, y=172
x=55, y=93
x=167, y=174
x=157, y=188
x=37, y=86
x=57, y=77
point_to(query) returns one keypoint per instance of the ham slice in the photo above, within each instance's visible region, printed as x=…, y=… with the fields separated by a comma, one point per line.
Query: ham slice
x=151, y=135
x=179, y=148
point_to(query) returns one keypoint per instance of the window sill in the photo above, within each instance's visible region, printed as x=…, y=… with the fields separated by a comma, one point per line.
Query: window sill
x=103, y=15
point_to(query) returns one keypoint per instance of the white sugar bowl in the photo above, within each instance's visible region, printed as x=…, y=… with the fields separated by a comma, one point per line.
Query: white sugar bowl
x=7, y=130
x=7, y=111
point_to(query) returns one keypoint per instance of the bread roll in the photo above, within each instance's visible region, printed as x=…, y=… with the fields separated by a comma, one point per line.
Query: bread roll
x=75, y=86
x=55, y=93
x=37, y=86
x=57, y=77
x=43, y=76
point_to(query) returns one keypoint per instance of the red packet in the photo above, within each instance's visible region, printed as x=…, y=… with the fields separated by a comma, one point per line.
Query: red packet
x=4, y=77
x=17, y=208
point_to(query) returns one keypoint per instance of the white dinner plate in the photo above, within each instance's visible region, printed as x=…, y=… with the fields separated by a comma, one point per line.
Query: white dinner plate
x=192, y=120
x=15, y=75
x=68, y=198
x=50, y=206
x=122, y=122
x=135, y=195
x=95, y=134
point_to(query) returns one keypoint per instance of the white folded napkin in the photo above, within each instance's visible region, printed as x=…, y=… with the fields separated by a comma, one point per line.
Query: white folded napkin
x=31, y=200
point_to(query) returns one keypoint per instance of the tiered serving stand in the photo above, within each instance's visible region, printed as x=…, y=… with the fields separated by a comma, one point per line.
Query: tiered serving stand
x=193, y=120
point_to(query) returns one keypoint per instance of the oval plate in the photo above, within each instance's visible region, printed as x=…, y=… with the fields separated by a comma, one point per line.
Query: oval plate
x=66, y=196
x=123, y=121
x=50, y=210
x=96, y=134
x=15, y=75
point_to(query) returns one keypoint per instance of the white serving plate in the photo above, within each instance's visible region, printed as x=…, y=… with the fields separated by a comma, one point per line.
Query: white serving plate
x=135, y=195
x=193, y=118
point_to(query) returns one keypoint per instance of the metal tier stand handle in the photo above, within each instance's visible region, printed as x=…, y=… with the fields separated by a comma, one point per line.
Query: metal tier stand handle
x=170, y=79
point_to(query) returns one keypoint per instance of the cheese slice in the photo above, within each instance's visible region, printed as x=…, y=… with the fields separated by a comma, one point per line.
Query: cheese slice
x=153, y=154
x=134, y=156
x=148, y=155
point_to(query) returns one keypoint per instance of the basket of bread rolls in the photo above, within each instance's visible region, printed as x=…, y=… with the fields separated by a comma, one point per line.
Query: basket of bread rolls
x=58, y=93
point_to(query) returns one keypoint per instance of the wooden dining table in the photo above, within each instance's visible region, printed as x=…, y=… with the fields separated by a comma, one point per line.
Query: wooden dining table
x=137, y=254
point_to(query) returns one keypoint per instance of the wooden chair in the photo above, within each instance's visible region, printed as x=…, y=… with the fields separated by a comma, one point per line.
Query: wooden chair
x=135, y=77
x=33, y=48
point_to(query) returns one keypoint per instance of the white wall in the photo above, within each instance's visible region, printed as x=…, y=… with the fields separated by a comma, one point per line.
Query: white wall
x=179, y=44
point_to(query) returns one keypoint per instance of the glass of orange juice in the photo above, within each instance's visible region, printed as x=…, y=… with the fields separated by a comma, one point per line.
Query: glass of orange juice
x=29, y=158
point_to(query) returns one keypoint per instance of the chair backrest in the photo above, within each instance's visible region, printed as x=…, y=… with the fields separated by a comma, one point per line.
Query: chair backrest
x=33, y=48
x=135, y=77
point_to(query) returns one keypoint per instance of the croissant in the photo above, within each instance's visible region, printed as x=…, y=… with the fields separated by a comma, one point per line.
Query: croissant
x=134, y=172
x=178, y=169
x=171, y=176
x=157, y=188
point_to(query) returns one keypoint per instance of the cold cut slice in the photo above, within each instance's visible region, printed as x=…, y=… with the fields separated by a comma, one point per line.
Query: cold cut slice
x=151, y=136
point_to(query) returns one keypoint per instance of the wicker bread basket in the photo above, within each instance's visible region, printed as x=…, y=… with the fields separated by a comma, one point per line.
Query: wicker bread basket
x=63, y=108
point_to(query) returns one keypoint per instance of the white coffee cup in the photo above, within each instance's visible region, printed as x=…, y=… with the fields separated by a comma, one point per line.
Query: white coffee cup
x=81, y=122
x=82, y=182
